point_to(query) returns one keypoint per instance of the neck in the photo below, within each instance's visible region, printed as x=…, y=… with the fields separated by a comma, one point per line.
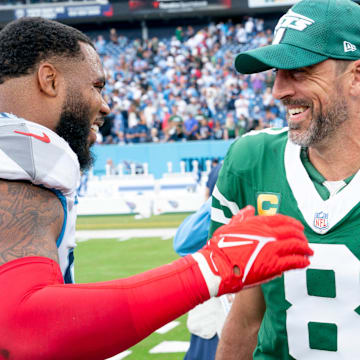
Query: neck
x=337, y=159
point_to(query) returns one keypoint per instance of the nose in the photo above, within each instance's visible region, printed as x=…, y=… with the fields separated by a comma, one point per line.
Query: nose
x=283, y=85
x=105, y=109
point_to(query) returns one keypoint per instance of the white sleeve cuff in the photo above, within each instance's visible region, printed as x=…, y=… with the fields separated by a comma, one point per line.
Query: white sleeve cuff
x=212, y=280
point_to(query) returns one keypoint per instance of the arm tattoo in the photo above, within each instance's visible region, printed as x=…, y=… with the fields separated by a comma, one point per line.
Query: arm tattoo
x=31, y=218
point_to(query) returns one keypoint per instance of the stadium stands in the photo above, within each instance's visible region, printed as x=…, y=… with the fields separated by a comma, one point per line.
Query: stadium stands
x=174, y=88
x=183, y=87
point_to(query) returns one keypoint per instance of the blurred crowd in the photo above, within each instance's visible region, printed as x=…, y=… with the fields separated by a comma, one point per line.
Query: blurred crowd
x=184, y=87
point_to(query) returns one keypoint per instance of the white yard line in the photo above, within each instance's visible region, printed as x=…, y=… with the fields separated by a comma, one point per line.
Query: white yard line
x=170, y=347
x=166, y=328
x=120, y=356
x=123, y=235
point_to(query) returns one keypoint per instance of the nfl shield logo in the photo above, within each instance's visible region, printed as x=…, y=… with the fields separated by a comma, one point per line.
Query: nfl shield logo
x=321, y=220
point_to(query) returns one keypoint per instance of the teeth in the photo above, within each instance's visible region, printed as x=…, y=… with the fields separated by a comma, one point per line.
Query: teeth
x=94, y=128
x=295, y=111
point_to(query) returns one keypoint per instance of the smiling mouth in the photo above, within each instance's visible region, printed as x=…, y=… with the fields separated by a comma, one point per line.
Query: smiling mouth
x=95, y=128
x=297, y=110
x=98, y=123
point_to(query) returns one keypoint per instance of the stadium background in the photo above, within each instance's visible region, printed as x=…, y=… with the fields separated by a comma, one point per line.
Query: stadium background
x=138, y=193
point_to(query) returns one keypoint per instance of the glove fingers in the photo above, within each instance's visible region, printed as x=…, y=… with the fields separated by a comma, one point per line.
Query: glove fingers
x=245, y=213
x=279, y=220
x=264, y=272
x=291, y=247
x=292, y=262
x=287, y=231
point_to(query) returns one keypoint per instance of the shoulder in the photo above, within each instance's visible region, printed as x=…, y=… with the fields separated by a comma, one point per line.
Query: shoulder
x=32, y=152
x=254, y=147
x=31, y=221
x=26, y=199
x=266, y=138
x=30, y=194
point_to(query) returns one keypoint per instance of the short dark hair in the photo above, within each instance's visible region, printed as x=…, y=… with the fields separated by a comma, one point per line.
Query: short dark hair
x=27, y=41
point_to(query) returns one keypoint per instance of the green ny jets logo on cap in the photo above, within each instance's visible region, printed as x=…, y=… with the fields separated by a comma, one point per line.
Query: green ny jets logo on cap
x=291, y=20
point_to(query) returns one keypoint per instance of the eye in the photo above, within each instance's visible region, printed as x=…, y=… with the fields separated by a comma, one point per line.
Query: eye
x=298, y=73
x=99, y=86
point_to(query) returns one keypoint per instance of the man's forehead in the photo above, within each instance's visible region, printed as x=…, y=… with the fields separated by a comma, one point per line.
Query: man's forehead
x=328, y=63
x=91, y=57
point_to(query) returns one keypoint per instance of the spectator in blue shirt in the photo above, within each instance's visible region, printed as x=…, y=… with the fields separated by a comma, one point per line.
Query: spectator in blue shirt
x=191, y=127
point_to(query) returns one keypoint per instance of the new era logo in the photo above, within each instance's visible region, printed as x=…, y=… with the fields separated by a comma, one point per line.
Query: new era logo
x=349, y=47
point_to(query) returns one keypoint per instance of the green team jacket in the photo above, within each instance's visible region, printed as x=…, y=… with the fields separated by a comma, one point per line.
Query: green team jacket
x=311, y=313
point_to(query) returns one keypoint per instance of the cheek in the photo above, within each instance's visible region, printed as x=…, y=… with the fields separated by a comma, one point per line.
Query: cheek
x=320, y=98
x=324, y=101
x=325, y=92
x=93, y=103
x=98, y=102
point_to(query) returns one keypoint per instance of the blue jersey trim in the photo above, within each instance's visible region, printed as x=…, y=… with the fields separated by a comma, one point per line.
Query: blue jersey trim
x=5, y=115
x=62, y=199
x=64, y=205
x=68, y=276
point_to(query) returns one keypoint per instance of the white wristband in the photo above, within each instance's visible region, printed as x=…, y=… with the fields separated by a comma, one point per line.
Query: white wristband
x=212, y=280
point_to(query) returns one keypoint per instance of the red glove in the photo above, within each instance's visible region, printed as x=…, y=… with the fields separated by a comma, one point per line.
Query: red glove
x=251, y=250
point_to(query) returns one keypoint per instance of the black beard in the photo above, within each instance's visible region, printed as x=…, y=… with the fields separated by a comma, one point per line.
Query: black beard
x=74, y=128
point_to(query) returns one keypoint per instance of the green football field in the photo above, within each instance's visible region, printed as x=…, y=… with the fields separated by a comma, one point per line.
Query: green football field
x=107, y=259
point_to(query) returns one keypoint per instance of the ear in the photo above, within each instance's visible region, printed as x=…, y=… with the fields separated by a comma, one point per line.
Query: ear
x=48, y=79
x=355, y=79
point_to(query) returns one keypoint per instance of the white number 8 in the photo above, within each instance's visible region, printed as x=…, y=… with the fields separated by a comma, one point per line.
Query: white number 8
x=339, y=310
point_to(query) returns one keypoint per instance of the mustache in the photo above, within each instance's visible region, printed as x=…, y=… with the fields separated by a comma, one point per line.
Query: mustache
x=296, y=102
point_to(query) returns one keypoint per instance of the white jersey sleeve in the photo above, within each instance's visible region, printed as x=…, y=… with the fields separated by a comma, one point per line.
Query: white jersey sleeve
x=32, y=152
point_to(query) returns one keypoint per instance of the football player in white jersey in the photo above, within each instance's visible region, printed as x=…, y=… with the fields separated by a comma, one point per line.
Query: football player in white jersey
x=51, y=107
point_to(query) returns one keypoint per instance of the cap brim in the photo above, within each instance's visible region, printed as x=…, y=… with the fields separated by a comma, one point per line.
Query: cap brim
x=279, y=56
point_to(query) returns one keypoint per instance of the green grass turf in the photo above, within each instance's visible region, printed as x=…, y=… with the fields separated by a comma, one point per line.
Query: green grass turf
x=107, y=259
x=129, y=222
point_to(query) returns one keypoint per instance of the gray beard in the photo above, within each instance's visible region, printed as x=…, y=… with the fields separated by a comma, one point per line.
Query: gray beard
x=322, y=126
